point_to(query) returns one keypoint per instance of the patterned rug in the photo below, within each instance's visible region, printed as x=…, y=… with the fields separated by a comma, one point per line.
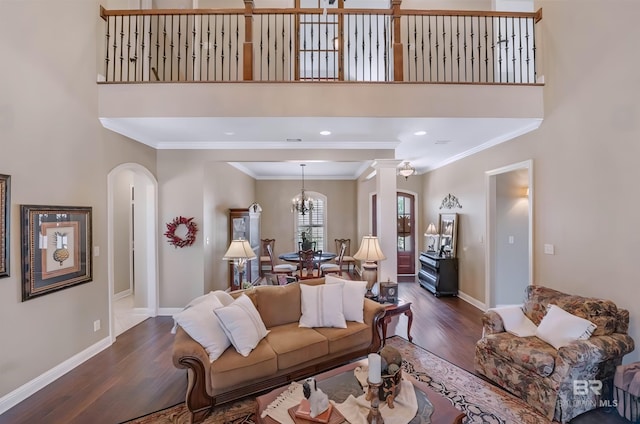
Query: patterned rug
x=482, y=402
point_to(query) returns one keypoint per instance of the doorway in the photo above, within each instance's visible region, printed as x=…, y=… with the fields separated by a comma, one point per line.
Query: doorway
x=131, y=221
x=509, y=258
x=406, y=233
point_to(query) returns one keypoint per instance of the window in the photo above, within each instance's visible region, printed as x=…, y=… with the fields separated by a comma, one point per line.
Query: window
x=314, y=222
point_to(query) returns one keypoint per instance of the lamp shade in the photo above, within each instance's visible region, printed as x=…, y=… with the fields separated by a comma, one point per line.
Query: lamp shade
x=239, y=249
x=369, y=250
x=431, y=230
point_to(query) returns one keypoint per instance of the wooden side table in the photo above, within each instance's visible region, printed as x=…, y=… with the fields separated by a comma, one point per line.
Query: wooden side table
x=393, y=309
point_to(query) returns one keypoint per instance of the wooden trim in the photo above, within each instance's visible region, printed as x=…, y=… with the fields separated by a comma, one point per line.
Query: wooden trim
x=492, y=14
x=136, y=12
x=538, y=16
x=398, y=62
x=103, y=13
x=247, y=46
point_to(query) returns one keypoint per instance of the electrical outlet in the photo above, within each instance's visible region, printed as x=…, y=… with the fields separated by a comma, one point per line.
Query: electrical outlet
x=549, y=249
x=511, y=239
x=96, y=325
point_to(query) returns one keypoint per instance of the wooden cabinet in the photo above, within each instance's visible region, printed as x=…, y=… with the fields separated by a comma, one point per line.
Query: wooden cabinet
x=245, y=224
x=438, y=275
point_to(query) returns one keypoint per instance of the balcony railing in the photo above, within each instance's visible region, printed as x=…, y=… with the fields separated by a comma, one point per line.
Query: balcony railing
x=336, y=44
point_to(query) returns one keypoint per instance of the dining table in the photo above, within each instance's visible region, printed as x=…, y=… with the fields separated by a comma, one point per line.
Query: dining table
x=294, y=257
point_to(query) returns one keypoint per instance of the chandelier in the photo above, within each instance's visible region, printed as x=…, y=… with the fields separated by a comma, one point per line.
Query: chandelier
x=302, y=203
x=406, y=170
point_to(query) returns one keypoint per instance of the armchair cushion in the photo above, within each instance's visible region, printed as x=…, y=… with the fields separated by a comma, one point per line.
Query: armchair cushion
x=529, y=353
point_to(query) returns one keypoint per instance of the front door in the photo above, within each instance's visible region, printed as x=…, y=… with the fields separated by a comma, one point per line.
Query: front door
x=406, y=231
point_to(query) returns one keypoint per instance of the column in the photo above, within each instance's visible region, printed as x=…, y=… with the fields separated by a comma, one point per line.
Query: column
x=387, y=231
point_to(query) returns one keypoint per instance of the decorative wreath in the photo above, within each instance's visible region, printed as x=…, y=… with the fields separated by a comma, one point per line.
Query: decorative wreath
x=177, y=241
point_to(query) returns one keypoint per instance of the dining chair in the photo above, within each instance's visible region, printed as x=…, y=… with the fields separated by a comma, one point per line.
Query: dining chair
x=347, y=259
x=265, y=259
x=334, y=268
x=288, y=269
x=301, y=247
x=309, y=264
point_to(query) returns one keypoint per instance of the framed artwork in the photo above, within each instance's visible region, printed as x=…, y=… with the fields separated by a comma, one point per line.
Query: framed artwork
x=448, y=224
x=5, y=223
x=56, y=248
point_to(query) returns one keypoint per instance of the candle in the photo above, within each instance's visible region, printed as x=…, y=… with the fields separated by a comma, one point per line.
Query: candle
x=375, y=373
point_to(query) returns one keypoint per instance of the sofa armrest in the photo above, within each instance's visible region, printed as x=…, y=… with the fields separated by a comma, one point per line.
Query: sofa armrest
x=371, y=310
x=596, y=349
x=185, y=347
x=492, y=323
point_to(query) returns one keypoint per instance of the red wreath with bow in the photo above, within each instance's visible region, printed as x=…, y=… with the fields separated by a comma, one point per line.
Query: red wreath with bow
x=190, y=237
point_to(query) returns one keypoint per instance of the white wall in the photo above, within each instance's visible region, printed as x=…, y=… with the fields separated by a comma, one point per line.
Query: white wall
x=585, y=155
x=52, y=145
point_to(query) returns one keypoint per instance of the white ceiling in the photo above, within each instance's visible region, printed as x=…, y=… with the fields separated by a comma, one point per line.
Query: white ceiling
x=446, y=139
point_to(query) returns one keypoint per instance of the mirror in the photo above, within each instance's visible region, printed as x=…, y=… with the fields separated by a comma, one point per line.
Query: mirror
x=448, y=225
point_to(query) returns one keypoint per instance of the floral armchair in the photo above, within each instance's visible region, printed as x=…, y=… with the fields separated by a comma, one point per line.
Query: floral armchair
x=544, y=377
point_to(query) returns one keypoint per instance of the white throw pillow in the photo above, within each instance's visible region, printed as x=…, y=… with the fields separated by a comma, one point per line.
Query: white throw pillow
x=225, y=298
x=515, y=321
x=559, y=327
x=242, y=323
x=322, y=306
x=352, y=297
x=191, y=303
x=201, y=323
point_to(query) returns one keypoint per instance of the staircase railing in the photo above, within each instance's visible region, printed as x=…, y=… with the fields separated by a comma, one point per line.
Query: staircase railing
x=379, y=45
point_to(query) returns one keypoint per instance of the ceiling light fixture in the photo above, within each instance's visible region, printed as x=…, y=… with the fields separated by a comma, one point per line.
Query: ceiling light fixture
x=325, y=132
x=406, y=170
x=301, y=203
x=420, y=133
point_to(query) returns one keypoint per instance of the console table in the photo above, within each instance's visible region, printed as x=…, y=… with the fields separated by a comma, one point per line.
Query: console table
x=439, y=275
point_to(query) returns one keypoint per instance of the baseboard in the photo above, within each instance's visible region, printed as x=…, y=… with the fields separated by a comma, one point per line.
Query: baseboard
x=168, y=311
x=21, y=393
x=122, y=294
x=142, y=311
x=472, y=301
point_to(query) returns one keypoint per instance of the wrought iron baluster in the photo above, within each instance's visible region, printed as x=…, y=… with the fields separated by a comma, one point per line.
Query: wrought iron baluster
x=128, y=59
x=472, y=50
x=501, y=41
x=179, y=47
x=493, y=48
x=513, y=49
x=430, y=52
x=486, y=49
x=282, y=39
x=377, y=47
x=201, y=55
x=269, y=47
x=215, y=47
x=261, y=48
x=222, y=46
x=450, y=46
x=121, y=45
x=464, y=49
x=237, y=45
x=106, y=49
x=527, y=44
x=209, y=46
x=535, y=64
x=415, y=46
x=520, y=48
x=194, y=40
x=363, y=48
x=458, y=46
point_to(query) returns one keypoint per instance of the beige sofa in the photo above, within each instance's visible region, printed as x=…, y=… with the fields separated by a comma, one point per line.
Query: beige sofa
x=288, y=352
x=553, y=381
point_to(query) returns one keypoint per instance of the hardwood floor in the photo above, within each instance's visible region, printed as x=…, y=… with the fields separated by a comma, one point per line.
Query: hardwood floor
x=135, y=376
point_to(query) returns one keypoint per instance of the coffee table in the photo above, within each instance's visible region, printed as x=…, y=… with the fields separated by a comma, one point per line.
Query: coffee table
x=337, y=384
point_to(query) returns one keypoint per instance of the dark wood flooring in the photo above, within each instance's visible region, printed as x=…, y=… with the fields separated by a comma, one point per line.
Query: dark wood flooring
x=135, y=376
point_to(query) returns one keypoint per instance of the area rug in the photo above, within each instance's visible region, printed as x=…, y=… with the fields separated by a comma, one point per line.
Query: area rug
x=482, y=402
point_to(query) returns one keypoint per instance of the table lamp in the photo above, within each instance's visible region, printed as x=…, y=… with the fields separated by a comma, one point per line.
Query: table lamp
x=432, y=233
x=240, y=252
x=369, y=252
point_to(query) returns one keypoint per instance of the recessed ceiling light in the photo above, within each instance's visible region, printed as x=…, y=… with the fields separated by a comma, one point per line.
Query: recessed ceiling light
x=229, y=133
x=420, y=133
x=325, y=132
